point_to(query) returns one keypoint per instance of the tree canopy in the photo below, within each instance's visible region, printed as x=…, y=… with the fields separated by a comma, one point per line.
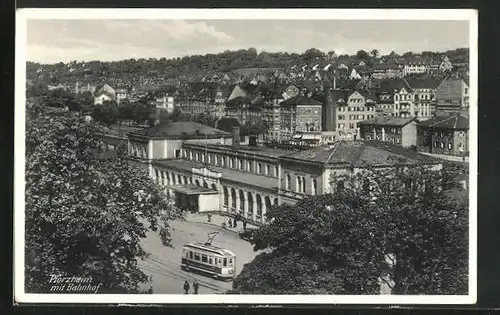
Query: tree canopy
x=379, y=228
x=86, y=208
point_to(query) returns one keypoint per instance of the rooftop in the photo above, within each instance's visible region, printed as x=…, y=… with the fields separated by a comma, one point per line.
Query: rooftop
x=300, y=100
x=179, y=129
x=446, y=122
x=387, y=121
x=259, y=150
x=362, y=153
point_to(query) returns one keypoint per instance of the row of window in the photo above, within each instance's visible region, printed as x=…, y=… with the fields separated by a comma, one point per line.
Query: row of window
x=139, y=150
x=208, y=259
x=301, y=183
x=234, y=163
x=355, y=109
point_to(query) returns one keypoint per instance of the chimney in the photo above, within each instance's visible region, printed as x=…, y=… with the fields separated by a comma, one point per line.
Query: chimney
x=236, y=138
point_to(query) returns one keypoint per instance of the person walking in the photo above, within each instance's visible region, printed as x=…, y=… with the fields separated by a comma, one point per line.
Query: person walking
x=209, y=217
x=244, y=224
x=195, y=286
x=230, y=223
x=186, y=287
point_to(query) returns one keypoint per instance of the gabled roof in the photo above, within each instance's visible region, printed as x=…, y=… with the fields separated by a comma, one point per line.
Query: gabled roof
x=394, y=84
x=178, y=129
x=446, y=122
x=386, y=66
x=387, y=121
x=300, y=100
x=362, y=154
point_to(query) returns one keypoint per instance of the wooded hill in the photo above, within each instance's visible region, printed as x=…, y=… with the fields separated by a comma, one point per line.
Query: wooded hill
x=196, y=67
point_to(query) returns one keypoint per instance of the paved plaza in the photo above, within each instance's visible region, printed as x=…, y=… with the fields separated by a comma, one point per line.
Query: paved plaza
x=164, y=263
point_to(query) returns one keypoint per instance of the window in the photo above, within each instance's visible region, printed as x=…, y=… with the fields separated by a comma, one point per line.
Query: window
x=449, y=146
x=210, y=260
x=267, y=169
x=298, y=184
x=204, y=258
x=276, y=171
x=288, y=182
x=197, y=256
x=341, y=117
x=442, y=145
x=191, y=255
x=224, y=262
x=177, y=153
x=240, y=166
x=259, y=168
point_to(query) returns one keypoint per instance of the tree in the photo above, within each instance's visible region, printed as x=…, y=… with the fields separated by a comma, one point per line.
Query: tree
x=326, y=237
x=421, y=229
x=396, y=228
x=313, y=55
x=86, y=211
x=362, y=55
x=374, y=53
x=107, y=113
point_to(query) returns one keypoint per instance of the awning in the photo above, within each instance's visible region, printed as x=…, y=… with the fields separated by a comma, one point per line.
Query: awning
x=191, y=189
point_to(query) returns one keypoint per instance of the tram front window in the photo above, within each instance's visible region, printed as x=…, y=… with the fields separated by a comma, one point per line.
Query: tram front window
x=224, y=262
x=191, y=255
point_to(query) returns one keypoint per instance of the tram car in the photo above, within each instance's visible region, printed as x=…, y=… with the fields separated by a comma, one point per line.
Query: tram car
x=218, y=262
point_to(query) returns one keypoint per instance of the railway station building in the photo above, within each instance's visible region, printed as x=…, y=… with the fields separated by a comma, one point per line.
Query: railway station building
x=204, y=169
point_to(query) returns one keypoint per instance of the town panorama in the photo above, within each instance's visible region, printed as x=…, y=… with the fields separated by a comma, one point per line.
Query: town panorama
x=246, y=172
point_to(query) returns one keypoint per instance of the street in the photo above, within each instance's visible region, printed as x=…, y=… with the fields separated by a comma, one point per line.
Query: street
x=164, y=266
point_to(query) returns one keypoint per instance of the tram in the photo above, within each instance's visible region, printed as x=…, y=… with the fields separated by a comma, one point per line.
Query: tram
x=218, y=262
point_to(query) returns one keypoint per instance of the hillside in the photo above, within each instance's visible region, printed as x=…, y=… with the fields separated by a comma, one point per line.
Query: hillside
x=193, y=68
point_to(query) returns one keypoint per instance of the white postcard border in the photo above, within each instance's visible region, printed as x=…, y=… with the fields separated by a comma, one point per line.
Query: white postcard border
x=286, y=14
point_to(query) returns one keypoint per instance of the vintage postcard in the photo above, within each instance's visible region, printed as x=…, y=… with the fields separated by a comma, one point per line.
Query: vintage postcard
x=242, y=156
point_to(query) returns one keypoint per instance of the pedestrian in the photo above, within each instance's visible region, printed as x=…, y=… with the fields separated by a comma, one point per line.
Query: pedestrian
x=230, y=224
x=195, y=286
x=186, y=287
x=244, y=225
x=209, y=217
x=235, y=223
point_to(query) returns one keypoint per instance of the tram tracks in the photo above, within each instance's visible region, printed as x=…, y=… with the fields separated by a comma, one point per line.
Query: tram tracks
x=155, y=264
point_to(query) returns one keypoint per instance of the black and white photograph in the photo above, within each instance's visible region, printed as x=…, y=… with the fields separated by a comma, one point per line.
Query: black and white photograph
x=244, y=156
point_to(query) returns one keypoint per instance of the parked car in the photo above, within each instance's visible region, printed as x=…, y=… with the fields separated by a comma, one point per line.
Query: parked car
x=247, y=234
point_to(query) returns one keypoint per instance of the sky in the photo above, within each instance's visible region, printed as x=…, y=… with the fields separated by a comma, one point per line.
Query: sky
x=52, y=41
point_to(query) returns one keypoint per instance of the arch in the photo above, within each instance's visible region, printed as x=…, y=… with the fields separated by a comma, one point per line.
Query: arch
x=226, y=196
x=233, y=198
x=250, y=202
x=242, y=201
x=303, y=184
x=275, y=202
x=174, y=181
x=162, y=173
x=314, y=186
x=259, y=205
x=179, y=179
x=186, y=180
x=168, y=178
x=157, y=176
x=214, y=187
x=197, y=183
x=288, y=181
x=267, y=202
x=205, y=184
